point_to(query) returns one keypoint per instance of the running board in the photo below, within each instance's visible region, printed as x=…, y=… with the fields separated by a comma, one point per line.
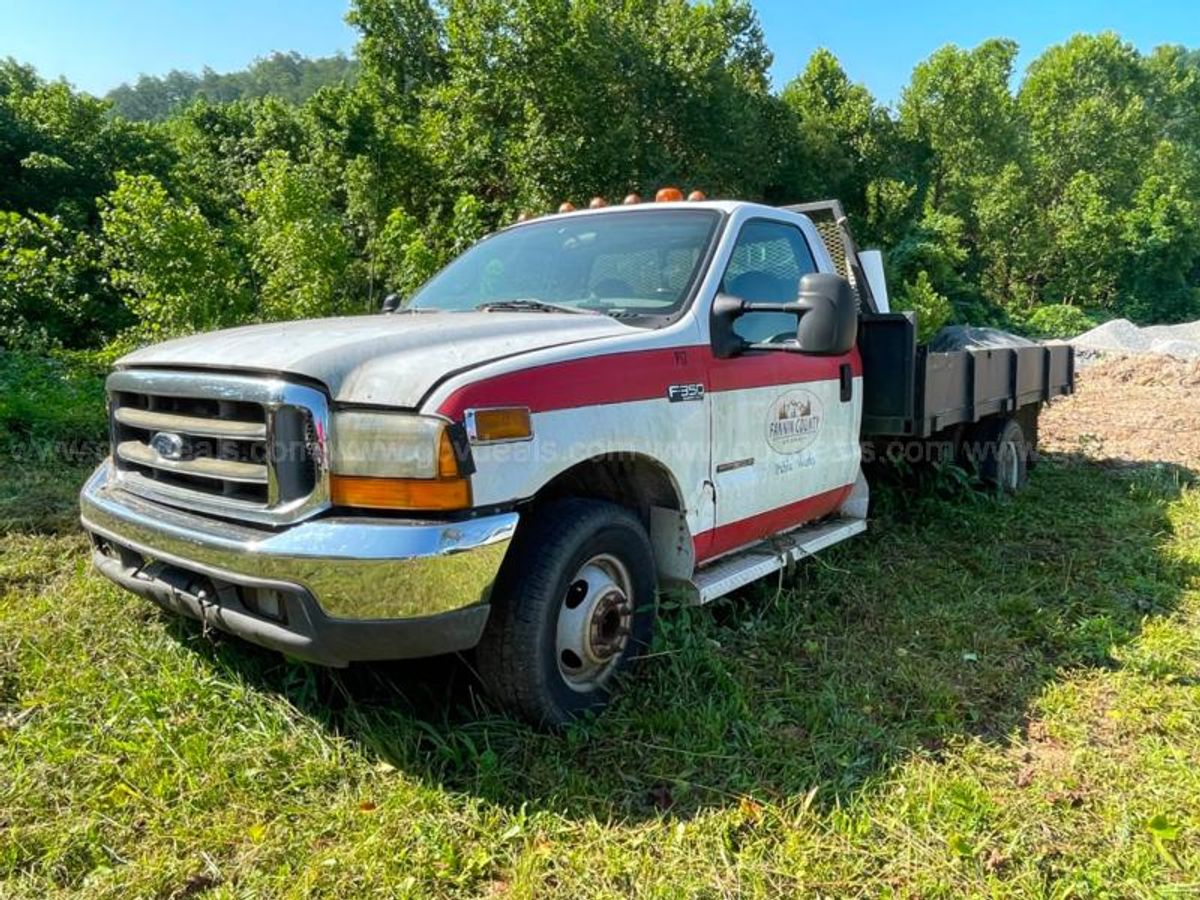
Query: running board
x=771, y=555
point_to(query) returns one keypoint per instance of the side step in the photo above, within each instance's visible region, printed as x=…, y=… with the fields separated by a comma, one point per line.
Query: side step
x=732, y=572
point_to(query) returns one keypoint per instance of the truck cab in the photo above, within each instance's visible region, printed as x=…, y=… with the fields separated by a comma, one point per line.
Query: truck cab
x=581, y=412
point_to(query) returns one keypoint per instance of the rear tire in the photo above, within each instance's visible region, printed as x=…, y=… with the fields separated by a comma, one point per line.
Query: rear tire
x=1000, y=451
x=573, y=608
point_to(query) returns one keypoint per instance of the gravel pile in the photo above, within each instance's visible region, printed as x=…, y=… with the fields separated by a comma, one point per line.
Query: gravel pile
x=1122, y=336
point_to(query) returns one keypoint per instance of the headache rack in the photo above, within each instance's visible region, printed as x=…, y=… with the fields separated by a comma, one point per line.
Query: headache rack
x=829, y=219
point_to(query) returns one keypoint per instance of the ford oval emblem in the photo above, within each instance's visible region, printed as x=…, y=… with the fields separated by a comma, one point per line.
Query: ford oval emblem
x=167, y=444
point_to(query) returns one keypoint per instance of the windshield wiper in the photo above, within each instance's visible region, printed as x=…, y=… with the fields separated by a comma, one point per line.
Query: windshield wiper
x=632, y=314
x=530, y=305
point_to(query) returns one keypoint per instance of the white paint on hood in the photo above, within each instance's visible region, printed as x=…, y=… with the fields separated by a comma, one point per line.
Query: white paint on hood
x=390, y=360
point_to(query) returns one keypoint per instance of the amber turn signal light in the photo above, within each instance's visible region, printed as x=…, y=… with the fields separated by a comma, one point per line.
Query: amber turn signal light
x=502, y=424
x=436, y=494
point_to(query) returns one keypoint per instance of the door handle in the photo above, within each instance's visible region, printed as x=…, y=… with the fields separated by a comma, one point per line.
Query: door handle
x=846, y=378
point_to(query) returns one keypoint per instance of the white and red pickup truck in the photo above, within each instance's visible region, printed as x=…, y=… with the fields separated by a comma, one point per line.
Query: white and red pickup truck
x=578, y=413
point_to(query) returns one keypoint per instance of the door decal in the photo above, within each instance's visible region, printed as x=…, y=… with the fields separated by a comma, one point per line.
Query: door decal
x=794, y=421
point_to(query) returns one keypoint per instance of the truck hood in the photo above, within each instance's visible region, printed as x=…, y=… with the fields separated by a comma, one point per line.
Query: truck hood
x=389, y=360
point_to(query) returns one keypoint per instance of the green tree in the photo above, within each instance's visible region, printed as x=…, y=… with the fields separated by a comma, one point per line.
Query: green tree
x=958, y=109
x=1161, y=237
x=546, y=100
x=402, y=255
x=841, y=134
x=286, y=76
x=299, y=247
x=401, y=48
x=962, y=126
x=59, y=150
x=177, y=271
x=51, y=286
x=1086, y=105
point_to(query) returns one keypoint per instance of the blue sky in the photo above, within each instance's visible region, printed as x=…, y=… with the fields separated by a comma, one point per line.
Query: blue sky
x=97, y=44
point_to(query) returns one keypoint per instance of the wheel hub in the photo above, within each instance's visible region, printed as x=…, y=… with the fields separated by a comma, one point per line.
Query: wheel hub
x=609, y=626
x=594, y=623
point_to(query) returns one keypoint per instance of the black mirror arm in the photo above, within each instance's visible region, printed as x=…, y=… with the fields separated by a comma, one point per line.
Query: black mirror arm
x=727, y=309
x=794, y=307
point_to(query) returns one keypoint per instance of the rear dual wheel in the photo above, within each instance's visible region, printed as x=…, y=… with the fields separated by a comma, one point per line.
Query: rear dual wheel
x=572, y=610
x=1001, y=452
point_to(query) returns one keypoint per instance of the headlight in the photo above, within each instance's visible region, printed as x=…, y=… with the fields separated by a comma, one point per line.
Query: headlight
x=395, y=461
x=387, y=445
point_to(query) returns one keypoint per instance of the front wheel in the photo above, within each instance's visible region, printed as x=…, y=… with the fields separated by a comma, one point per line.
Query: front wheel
x=572, y=610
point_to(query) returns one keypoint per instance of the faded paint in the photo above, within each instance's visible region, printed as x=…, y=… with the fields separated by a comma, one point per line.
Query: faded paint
x=383, y=360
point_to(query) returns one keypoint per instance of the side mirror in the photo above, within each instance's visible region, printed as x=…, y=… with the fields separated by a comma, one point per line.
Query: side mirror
x=391, y=303
x=825, y=308
x=829, y=324
x=726, y=342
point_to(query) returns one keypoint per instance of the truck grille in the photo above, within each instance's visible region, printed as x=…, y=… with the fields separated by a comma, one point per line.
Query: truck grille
x=229, y=445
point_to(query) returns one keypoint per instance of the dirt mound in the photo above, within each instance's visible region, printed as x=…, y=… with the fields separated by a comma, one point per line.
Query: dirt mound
x=1146, y=370
x=1129, y=410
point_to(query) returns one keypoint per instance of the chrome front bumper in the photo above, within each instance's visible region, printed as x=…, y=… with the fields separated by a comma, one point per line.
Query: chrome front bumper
x=349, y=588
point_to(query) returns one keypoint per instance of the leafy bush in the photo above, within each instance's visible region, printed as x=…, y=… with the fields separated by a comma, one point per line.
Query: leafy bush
x=299, y=247
x=402, y=252
x=51, y=285
x=933, y=310
x=1058, y=321
x=52, y=407
x=177, y=270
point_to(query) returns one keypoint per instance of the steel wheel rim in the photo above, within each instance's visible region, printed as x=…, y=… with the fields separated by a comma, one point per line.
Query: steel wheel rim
x=1010, y=465
x=595, y=621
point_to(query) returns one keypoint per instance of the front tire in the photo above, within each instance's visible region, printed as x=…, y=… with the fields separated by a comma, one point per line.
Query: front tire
x=572, y=610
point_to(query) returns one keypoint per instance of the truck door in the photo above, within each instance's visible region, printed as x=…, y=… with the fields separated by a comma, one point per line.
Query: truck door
x=785, y=423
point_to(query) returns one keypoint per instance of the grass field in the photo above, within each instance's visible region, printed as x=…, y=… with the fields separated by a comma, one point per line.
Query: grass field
x=982, y=696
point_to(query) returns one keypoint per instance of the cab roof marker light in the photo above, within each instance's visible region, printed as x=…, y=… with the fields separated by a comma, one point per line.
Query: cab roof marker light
x=631, y=199
x=668, y=195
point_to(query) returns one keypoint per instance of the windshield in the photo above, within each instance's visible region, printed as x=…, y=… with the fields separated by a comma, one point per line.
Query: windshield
x=641, y=263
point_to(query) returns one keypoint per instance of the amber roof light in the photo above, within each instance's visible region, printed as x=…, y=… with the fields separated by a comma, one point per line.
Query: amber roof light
x=668, y=195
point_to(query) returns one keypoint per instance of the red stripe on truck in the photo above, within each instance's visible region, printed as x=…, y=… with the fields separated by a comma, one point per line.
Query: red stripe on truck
x=724, y=538
x=641, y=375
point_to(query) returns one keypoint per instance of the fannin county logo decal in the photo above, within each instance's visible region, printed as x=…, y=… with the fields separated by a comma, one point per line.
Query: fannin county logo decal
x=793, y=421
